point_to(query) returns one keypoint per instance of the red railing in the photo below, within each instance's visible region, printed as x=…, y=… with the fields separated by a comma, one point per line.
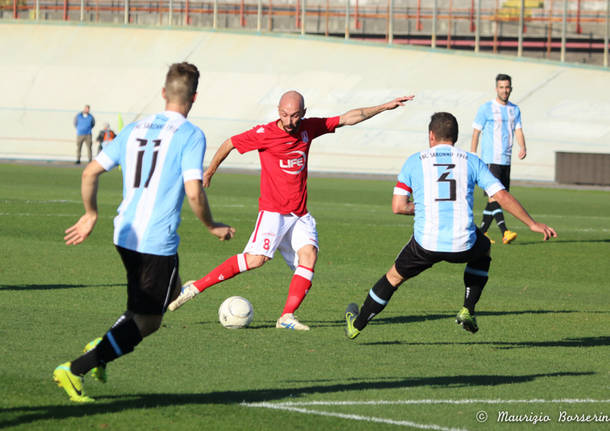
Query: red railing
x=323, y=13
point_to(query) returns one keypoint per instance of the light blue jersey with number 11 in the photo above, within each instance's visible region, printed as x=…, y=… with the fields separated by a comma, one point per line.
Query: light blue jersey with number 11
x=157, y=154
x=441, y=180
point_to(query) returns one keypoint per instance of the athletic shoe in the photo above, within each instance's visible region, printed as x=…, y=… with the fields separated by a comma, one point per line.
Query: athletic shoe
x=490, y=240
x=468, y=321
x=72, y=384
x=509, y=236
x=288, y=321
x=188, y=292
x=99, y=372
x=351, y=312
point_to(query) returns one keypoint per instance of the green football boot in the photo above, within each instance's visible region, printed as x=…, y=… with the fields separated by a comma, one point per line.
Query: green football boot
x=468, y=321
x=351, y=312
x=71, y=383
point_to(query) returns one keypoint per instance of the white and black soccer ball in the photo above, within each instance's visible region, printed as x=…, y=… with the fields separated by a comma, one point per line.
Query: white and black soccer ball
x=235, y=312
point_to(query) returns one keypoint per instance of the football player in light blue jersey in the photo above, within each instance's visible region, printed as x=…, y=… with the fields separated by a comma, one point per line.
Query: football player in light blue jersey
x=498, y=121
x=161, y=158
x=441, y=181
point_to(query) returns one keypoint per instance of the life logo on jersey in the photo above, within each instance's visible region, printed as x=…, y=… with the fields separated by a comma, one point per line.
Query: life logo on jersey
x=293, y=165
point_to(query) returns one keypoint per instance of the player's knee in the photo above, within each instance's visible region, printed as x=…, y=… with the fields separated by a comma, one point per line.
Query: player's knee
x=255, y=260
x=147, y=324
x=308, y=255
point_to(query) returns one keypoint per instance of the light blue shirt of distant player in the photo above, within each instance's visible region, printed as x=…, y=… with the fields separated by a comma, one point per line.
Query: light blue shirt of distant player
x=157, y=155
x=442, y=180
x=497, y=124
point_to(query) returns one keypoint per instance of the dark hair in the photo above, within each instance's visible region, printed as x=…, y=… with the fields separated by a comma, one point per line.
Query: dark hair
x=181, y=82
x=503, y=77
x=444, y=126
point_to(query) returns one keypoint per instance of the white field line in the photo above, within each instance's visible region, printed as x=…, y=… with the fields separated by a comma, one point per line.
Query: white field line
x=282, y=406
x=433, y=401
x=298, y=407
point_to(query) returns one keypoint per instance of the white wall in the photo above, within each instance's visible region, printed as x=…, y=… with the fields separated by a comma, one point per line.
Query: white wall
x=50, y=71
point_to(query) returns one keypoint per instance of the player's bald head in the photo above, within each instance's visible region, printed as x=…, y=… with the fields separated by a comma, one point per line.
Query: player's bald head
x=292, y=100
x=291, y=110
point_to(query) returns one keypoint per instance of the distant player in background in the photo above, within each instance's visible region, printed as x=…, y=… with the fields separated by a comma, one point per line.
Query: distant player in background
x=161, y=158
x=441, y=180
x=283, y=222
x=498, y=121
x=104, y=137
x=84, y=123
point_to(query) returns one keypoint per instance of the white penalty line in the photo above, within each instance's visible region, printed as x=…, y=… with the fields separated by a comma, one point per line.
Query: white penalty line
x=299, y=408
x=290, y=408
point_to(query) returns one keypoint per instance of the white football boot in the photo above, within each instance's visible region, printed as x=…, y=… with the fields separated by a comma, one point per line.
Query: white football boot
x=188, y=292
x=288, y=321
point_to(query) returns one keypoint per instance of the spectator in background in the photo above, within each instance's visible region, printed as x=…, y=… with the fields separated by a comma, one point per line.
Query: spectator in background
x=104, y=137
x=84, y=123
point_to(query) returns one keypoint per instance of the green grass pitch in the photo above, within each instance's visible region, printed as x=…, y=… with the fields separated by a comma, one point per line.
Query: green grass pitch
x=542, y=351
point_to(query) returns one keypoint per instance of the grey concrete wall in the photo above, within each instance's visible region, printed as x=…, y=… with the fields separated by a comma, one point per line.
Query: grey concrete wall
x=51, y=71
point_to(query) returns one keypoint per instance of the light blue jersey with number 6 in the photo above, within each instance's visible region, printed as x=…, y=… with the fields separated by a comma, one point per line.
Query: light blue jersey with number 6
x=157, y=154
x=441, y=180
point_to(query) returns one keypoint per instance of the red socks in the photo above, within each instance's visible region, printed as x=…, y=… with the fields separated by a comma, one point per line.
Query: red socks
x=228, y=269
x=299, y=286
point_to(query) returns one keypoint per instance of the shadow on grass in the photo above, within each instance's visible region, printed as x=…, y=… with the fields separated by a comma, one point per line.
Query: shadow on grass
x=20, y=287
x=427, y=317
x=566, y=342
x=117, y=404
x=563, y=241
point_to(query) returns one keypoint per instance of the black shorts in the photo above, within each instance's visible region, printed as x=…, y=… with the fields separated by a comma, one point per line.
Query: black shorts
x=501, y=172
x=152, y=281
x=414, y=259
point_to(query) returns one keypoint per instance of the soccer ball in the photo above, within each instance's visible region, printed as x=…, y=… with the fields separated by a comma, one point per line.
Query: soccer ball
x=235, y=312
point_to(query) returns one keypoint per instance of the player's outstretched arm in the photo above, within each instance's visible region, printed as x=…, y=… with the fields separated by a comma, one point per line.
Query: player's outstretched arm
x=221, y=154
x=198, y=201
x=358, y=115
x=513, y=206
x=79, y=231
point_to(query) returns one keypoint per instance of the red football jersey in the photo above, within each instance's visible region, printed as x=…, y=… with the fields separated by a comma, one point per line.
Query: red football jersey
x=283, y=161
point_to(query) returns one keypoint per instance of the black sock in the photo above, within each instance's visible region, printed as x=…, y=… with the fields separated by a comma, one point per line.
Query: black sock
x=487, y=216
x=118, y=341
x=498, y=214
x=375, y=302
x=475, y=278
x=84, y=363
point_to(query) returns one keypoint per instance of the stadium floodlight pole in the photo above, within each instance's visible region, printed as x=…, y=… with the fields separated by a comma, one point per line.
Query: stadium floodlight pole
x=303, y=17
x=259, y=15
x=607, y=33
x=390, y=21
x=520, y=32
x=564, y=25
x=477, y=30
x=347, y=19
x=215, y=15
x=433, y=37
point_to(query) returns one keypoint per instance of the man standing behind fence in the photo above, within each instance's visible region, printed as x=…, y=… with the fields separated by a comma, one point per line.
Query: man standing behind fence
x=84, y=123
